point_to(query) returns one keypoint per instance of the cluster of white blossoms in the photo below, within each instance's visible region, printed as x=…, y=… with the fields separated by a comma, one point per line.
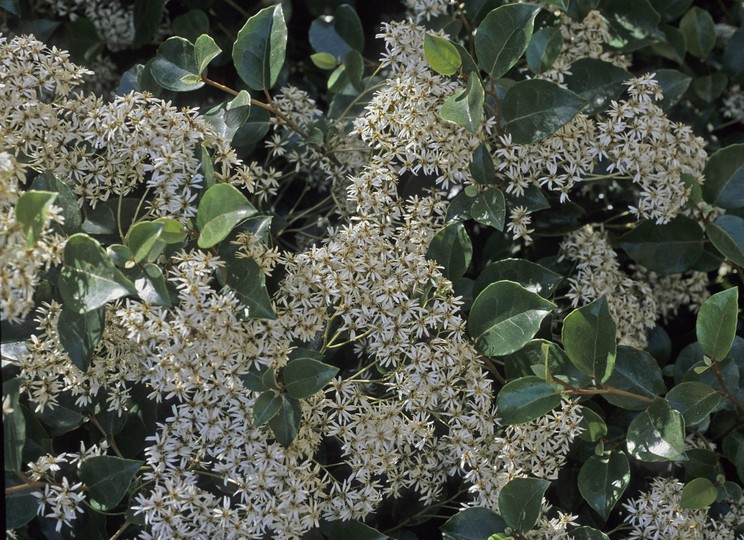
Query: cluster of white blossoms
x=733, y=103
x=671, y=292
x=657, y=514
x=425, y=10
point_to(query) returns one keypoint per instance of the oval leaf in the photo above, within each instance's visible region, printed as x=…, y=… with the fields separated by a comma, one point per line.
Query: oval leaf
x=31, y=212
x=174, y=67
x=665, y=249
x=727, y=234
x=525, y=399
x=245, y=277
x=602, y=481
x=452, y=249
x=80, y=334
x=589, y=339
x=503, y=36
x=636, y=372
x=531, y=276
x=205, y=50
x=716, y=323
x=699, y=30
x=489, y=208
x=305, y=376
x=657, y=434
x=259, y=51
x=466, y=107
x=520, y=501
x=596, y=81
x=141, y=238
x=286, y=423
x=473, y=524
x=107, y=478
x=698, y=493
x=441, y=55
x=220, y=209
x=694, y=400
x=724, y=177
x=266, y=406
x=545, y=46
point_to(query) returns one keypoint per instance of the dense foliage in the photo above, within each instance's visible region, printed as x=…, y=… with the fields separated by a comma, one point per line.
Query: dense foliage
x=269, y=273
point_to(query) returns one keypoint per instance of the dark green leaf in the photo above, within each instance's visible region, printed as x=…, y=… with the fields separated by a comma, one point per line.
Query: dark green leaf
x=729, y=490
x=466, y=107
x=229, y=116
x=545, y=46
x=588, y=533
x=31, y=212
x=710, y=87
x=716, y=323
x=632, y=24
x=481, y=166
x=245, y=277
x=472, y=524
x=727, y=234
x=733, y=60
x=267, y=406
x=14, y=425
x=20, y=506
x=503, y=36
x=505, y=316
x=636, y=372
x=141, y=238
x=670, y=10
x=724, y=177
x=66, y=200
x=602, y=481
x=673, y=85
x=147, y=15
x=535, y=109
x=174, y=67
x=694, y=400
x=286, y=423
x=121, y=255
x=82, y=38
x=441, y=55
x=489, y=208
x=589, y=339
x=700, y=31
x=192, y=25
x=100, y=220
x=354, y=67
x=698, y=493
x=452, y=249
x=205, y=50
x=89, y=279
x=520, y=501
x=80, y=334
x=531, y=276
x=11, y=6
x=523, y=362
x=674, y=46
x=221, y=208
x=107, y=478
x=596, y=81
x=657, y=434
x=525, y=399
x=305, y=376
x=532, y=199
x=351, y=529
x=259, y=51
x=594, y=428
x=665, y=249
x=150, y=283
x=559, y=220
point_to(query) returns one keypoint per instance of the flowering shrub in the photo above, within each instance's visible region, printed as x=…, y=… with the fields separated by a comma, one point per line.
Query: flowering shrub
x=485, y=286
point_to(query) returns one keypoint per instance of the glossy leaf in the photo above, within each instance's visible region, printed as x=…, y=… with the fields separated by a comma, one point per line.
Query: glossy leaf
x=596, y=81
x=694, y=400
x=221, y=208
x=716, y=323
x=520, y=501
x=481, y=165
x=670, y=10
x=503, y=36
x=727, y=234
x=489, y=208
x=632, y=24
x=351, y=528
x=174, y=67
x=536, y=108
x=665, y=249
x=673, y=85
x=146, y=17
x=594, y=428
x=636, y=372
x=698, y=493
x=441, y=55
x=150, y=283
x=472, y=524
x=89, y=279
x=141, y=238
x=505, y=316
x=603, y=480
x=589, y=339
x=724, y=177
x=173, y=232
x=229, y=116
x=530, y=275
x=700, y=31
x=100, y=220
x=31, y=212
x=452, y=249
x=80, y=334
x=657, y=434
x=205, y=50
x=306, y=376
x=337, y=34
x=323, y=60
x=588, y=533
x=286, y=423
x=525, y=399
x=108, y=478
x=674, y=45
x=14, y=425
x=534, y=356
x=466, y=107
x=191, y=25
x=733, y=60
x=245, y=277
x=66, y=200
x=545, y=46
x=266, y=406
x=710, y=87
x=259, y=51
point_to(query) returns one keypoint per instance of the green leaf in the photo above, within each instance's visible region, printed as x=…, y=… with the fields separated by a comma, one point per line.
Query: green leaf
x=142, y=237
x=350, y=529
x=632, y=24
x=525, y=399
x=594, y=428
x=82, y=36
x=221, y=208
x=724, y=177
x=716, y=323
x=520, y=501
x=466, y=107
x=173, y=232
x=121, y=255
x=147, y=16
x=545, y=46
x=229, y=116
x=174, y=64
x=505, y=316
x=481, y=165
x=100, y=220
x=14, y=425
x=253, y=379
x=489, y=208
x=670, y=10
x=266, y=406
x=673, y=85
x=729, y=490
x=472, y=524
x=89, y=279
x=698, y=493
x=588, y=533
x=441, y=55
x=150, y=283
x=452, y=249
x=323, y=60
x=596, y=81
x=657, y=434
x=66, y=200
x=305, y=376
x=80, y=334
x=733, y=60
x=727, y=234
x=710, y=87
x=337, y=34
x=636, y=372
x=503, y=36
x=205, y=50
x=535, y=109
x=20, y=506
x=107, y=478
x=245, y=277
x=700, y=31
x=11, y=6
x=674, y=46
x=694, y=400
x=665, y=249
x=589, y=339
x=31, y=212
x=603, y=480
x=531, y=276
x=259, y=51
x=354, y=67
x=191, y=25
x=286, y=424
